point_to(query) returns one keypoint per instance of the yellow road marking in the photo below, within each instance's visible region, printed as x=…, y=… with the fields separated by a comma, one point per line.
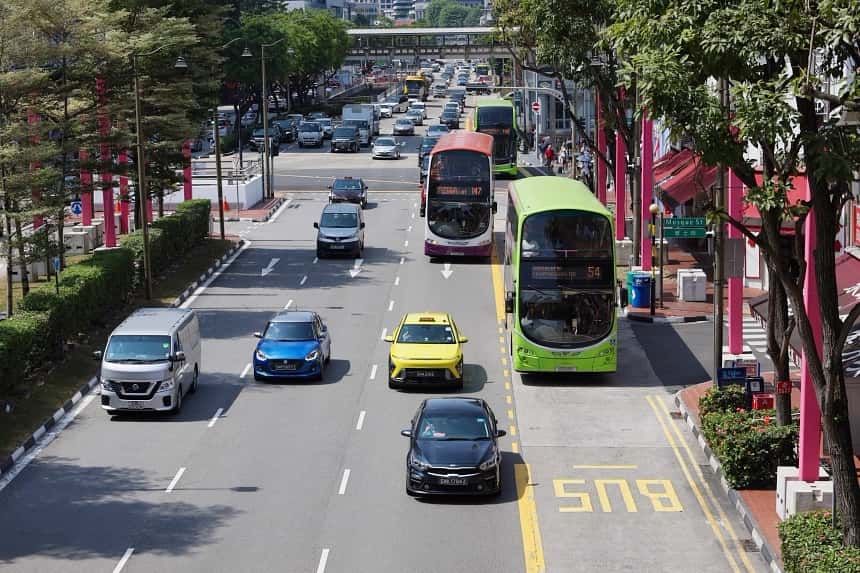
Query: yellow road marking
x=515, y=447
x=509, y=399
x=504, y=361
x=707, y=487
x=513, y=430
x=511, y=414
x=532, y=545
x=498, y=286
x=605, y=467
x=693, y=486
x=505, y=373
x=502, y=349
x=507, y=385
x=502, y=339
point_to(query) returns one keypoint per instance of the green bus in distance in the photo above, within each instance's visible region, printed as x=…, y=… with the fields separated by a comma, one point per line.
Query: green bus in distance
x=496, y=116
x=559, y=276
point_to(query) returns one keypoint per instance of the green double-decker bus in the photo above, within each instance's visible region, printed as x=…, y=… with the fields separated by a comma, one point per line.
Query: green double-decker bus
x=559, y=276
x=496, y=116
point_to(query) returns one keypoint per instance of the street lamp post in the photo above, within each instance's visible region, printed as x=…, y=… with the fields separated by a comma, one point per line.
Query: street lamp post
x=245, y=54
x=140, y=188
x=267, y=187
x=653, y=209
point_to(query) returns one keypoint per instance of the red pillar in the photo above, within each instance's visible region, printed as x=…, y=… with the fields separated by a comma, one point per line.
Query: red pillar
x=186, y=171
x=601, y=149
x=86, y=189
x=149, y=209
x=736, y=285
x=123, y=194
x=647, y=190
x=620, y=185
x=106, y=159
x=33, y=119
x=810, y=415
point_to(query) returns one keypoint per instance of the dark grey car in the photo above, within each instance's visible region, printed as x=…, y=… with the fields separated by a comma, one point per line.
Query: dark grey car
x=345, y=139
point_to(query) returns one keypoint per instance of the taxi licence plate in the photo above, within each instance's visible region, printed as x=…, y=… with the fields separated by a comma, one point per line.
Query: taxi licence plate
x=424, y=373
x=565, y=368
x=340, y=247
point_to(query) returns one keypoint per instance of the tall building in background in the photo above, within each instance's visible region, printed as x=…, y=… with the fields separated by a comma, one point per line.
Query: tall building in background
x=403, y=10
x=385, y=8
x=367, y=8
x=336, y=7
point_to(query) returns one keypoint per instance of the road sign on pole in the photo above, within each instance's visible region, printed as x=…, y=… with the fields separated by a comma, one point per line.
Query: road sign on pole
x=684, y=227
x=536, y=107
x=76, y=207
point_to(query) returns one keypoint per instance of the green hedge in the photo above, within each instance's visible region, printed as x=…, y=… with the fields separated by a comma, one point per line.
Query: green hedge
x=728, y=399
x=24, y=345
x=811, y=545
x=750, y=446
x=171, y=236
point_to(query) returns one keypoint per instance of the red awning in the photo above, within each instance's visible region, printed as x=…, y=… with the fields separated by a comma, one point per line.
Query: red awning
x=797, y=192
x=847, y=282
x=670, y=164
x=692, y=179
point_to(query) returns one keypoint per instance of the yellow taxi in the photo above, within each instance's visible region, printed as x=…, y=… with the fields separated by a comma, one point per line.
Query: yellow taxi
x=426, y=348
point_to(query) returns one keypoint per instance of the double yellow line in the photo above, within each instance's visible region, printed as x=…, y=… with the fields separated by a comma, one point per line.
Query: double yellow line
x=731, y=546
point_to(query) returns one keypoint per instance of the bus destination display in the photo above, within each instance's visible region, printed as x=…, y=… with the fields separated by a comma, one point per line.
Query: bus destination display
x=569, y=273
x=442, y=190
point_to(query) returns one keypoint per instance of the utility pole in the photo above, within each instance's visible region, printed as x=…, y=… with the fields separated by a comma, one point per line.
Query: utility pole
x=719, y=193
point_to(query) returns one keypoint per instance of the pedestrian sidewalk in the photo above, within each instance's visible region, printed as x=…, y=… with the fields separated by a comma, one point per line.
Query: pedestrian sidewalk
x=671, y=309
x=259, y=212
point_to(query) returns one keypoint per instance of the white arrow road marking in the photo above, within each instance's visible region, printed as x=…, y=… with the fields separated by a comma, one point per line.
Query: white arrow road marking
x=356, y=268
x=304, y=280
x=126, y=556
x=270, y=267
x=447, y=272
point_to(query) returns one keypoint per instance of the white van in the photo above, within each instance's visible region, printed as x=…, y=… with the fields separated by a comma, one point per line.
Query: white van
x=151, y=362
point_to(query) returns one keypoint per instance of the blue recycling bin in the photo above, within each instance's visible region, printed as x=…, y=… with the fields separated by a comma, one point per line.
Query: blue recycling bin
x=640, y=289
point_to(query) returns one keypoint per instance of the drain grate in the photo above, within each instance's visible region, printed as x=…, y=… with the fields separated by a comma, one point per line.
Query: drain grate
x=676, y=414
x=749, y=546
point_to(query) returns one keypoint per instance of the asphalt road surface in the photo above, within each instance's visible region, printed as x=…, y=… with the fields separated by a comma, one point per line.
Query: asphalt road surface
x=309, y=477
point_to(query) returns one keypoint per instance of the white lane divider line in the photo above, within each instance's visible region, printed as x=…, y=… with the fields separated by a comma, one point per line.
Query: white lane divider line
x=304, y=280
x=409, y=230
x=356, y=268
x=343, y=481
x=125, y=557
x=413, y=215
x=396, y=281
x=384, y=332
x=360, y=424
x=390, y=305
x=288, y=305
x=373, y=371
x=316, y=260
x=406, y=243
x=215, y=417
x=245, y=371
x=323, y=560
x=402, y=260
x=175, y=480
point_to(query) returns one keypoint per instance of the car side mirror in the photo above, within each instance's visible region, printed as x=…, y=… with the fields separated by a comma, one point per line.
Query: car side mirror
x=495, y=207
x=179, y=356
x=622, y=298
x=316, y=225
x=464, y=339
x=362, y=224
x=406, y=433
x=258, y=335
x=501, y=433
x=329, y=187
x=509, y=302
x=97, y=355
x=389, y=338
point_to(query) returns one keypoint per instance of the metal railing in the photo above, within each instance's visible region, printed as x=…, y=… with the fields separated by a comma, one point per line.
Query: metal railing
x=230, y=170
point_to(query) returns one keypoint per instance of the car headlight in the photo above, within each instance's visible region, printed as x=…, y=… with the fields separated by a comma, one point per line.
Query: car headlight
x=260, y=356
x=490, y=463
x=166, y=385
x=312, y=355
x=417, y=463
x=107, y=385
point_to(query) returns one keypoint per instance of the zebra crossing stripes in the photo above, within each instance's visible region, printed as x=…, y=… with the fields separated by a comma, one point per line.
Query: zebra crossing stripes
x=754, y=335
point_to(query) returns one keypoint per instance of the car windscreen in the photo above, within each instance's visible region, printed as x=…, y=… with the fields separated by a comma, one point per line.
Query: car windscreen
x=403, y=121
x=289, y=331
x=339, y=221
x=449, y=114
x=453, y=426
x=311, y=127
x=344, y=132
x=343, y=184
x=426, y=334
x=137, y=348
x=385, y=142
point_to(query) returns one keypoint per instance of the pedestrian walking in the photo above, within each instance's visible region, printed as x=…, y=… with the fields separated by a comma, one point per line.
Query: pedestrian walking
x=563, y=157
x=549, y=155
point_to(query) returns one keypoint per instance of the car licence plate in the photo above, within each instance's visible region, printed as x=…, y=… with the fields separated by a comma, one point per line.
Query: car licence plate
x=285, y=367
x=565, y=368
x=452, y=481
x=135, y=405
x=338, y=247
x=424, y=373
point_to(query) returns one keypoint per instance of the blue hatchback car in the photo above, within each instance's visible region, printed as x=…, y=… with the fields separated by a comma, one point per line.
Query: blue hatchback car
x=295, y=344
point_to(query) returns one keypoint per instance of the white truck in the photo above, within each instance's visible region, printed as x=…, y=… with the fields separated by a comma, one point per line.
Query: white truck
x=362, y=112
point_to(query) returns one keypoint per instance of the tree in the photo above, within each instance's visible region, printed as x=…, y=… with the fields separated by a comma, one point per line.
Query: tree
x=775, y=62
x=360, y=21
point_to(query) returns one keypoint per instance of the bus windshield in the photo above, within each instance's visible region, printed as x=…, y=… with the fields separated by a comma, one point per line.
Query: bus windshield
x=498, y=122
x=566, y=278
x=459, y=194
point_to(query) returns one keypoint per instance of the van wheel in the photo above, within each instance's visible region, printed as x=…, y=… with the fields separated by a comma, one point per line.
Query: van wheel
x=178, y=406
x=195, y=381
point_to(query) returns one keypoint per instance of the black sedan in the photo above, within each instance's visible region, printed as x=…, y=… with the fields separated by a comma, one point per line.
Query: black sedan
x=348, y=190
x=451, y=119
x=453, y=448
